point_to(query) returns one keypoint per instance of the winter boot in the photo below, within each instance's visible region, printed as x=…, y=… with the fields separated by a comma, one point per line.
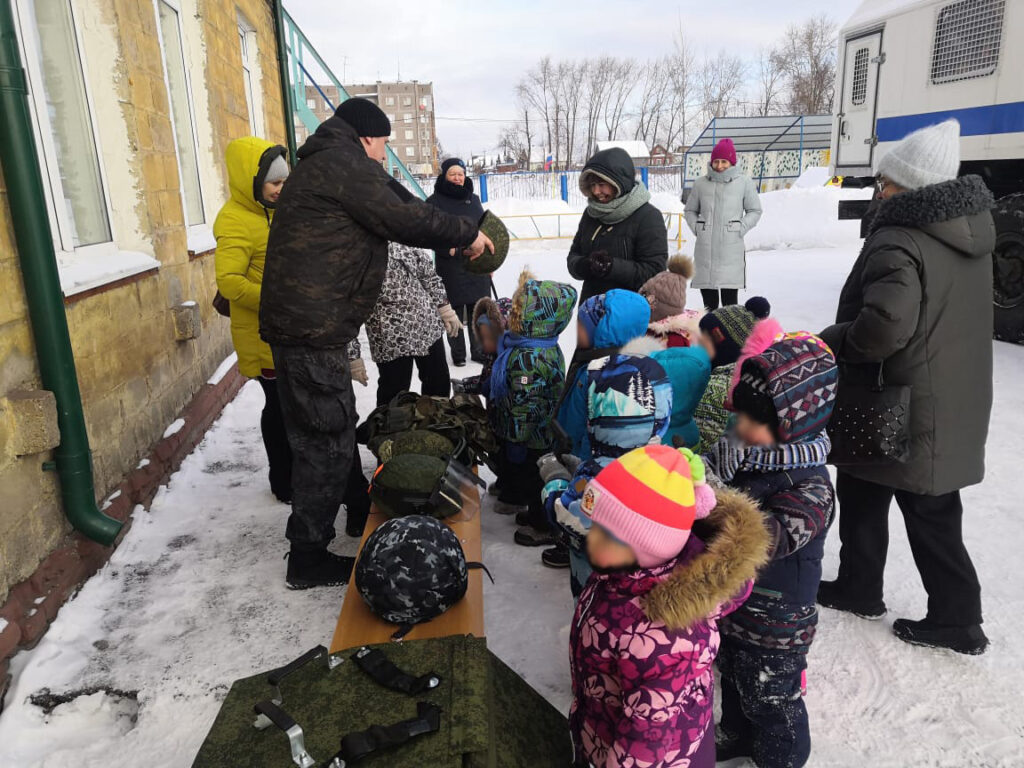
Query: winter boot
x=832, y=595
x=729, y=747
x=494, y=489
x=504, y=508
x=528, y=536
x=317, y=568
x=969, y=640
x=556, y=557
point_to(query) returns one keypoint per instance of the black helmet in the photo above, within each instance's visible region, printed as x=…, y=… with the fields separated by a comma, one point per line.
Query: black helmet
x=411, y=569
x=489, y=262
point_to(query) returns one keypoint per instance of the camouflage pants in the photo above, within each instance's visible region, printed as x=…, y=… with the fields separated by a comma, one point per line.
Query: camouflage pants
x=319, y=409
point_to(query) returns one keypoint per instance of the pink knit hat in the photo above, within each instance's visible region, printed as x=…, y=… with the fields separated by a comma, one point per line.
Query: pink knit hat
x=646, y=499
x=724, y=150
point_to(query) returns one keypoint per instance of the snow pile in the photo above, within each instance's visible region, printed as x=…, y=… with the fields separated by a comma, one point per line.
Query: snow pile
x=174, y=427
x=223, y=368
x=800, y=218
x=813, y=178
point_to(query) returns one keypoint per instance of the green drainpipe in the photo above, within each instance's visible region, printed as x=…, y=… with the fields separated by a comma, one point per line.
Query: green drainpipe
x=20, y=162
x=286, y=91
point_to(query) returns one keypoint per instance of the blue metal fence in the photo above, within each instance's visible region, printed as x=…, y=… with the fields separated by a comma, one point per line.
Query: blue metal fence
x=564, y=185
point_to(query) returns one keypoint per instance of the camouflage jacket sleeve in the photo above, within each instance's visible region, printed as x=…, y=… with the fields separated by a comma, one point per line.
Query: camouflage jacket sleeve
x=387, y=209
x=354, y=350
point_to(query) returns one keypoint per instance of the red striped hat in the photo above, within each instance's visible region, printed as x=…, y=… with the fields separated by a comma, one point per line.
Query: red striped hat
x=646, y=500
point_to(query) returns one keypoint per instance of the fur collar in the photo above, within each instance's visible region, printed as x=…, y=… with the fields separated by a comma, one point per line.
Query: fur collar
x=643, y=346
x=935, y=203
x=686, y=324
x=737, y=542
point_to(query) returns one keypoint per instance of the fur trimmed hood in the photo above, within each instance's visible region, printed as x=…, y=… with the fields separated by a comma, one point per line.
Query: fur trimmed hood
x=951, y=212
x=495, y=310
x=686, y=324
x=737, y=543
x=644, y=346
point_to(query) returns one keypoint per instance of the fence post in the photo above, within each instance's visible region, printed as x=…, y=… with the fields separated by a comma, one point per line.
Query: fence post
x=564, y=181
x=645, y=176
x=483, y=188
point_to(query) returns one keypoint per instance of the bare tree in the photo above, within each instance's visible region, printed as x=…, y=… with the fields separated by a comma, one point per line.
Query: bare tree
x=681, y=75
x=719, y=81
x=536, y=90
x=808, y=54
x=569, y=92
x=600, y=74
x=623, y=81
x=771, y=81
x=654, y=75
x=513, y=143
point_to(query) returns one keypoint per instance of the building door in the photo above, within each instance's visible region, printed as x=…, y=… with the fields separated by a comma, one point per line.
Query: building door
x=857, y=139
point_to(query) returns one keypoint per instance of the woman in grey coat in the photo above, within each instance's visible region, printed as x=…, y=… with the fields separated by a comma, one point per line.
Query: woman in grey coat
x=722, y=207
x=918, y=303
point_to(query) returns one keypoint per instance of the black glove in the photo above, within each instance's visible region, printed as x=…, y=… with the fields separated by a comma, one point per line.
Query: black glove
x=600, y=263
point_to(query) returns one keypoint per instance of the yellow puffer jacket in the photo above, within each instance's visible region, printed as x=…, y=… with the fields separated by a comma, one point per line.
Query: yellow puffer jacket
x=241, y=230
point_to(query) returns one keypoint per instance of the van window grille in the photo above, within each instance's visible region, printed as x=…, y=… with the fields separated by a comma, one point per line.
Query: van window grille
x=968, y=35
x=860, y=76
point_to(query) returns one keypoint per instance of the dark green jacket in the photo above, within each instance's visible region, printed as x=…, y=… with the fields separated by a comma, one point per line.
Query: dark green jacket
x=328, y=248
x=919, y=298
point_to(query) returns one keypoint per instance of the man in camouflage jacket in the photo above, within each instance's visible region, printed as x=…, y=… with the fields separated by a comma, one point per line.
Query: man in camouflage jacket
x=326, y=260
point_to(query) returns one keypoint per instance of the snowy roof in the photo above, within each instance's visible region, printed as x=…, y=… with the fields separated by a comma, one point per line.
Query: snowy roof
x=635, y=149
x=773, y=133
x=874, y=11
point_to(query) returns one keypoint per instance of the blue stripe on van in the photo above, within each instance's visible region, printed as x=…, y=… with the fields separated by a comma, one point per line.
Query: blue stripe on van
x=974, y=121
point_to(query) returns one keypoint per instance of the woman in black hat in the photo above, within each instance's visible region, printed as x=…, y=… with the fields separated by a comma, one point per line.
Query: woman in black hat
x=453, y=193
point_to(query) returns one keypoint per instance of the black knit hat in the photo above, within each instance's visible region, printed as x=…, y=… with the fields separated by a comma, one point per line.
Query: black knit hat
x=365, y=116
x=452, y=161
x=750, y=396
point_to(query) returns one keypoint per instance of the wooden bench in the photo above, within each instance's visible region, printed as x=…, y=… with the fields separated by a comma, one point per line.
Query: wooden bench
x=357, y=626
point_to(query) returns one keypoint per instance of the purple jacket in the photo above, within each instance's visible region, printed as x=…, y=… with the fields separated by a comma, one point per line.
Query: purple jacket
x=642, y=644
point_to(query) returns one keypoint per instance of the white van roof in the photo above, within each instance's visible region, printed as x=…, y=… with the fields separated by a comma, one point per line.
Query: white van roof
x=872, y=12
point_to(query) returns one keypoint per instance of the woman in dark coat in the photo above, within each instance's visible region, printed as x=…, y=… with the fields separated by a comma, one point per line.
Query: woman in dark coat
x=453, y=193
x=621, y=241
x=919, y=303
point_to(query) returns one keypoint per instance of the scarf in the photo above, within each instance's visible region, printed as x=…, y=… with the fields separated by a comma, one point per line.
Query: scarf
x=444, y=187
x=728, y=457
x=506, y=344
x=621, y=208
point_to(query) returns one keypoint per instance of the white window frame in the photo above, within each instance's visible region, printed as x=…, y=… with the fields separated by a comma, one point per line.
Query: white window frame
x=248, y=53
x=194, y=232
x=410, y=151
x=60, y=224
x=408, y=135
x=389, y=101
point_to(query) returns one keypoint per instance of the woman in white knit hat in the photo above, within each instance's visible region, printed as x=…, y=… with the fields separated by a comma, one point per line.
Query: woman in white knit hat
x=918, y=304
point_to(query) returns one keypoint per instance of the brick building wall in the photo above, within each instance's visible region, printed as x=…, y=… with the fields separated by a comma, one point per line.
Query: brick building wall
x=134, y=376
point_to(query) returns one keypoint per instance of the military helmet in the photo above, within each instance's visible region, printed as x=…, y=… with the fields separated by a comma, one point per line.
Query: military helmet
x=489, y=262
x=414, y=483
x=420, y=441
x=411, y=570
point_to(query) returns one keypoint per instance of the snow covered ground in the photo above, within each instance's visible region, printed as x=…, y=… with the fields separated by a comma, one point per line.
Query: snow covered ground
x=194, y=598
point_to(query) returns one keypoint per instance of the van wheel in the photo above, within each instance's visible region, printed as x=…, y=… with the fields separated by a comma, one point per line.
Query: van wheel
x=1008, y=268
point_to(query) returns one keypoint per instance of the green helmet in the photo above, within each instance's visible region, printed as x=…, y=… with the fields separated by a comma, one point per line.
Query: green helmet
x=489, y=262
x=412, y=484
x=419, y=441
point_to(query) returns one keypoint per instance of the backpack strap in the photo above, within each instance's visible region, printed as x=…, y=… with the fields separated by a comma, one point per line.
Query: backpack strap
x=356, y=746
x=384, y=672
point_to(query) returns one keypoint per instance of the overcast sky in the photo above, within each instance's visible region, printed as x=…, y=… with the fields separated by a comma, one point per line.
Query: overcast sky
x=475, y=53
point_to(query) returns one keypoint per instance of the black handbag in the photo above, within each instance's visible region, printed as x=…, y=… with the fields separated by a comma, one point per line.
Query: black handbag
x=221, y=305
x=870, y=424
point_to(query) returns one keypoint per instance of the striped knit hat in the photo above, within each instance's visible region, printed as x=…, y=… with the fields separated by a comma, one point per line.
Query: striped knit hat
x=645, y=499
x=729, y=327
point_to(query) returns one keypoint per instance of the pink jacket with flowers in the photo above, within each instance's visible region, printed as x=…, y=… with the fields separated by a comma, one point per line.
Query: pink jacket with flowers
x=642, y=644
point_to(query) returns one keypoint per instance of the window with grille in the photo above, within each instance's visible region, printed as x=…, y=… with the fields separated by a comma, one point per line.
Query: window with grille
x=859, y=92
x=968, y=34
